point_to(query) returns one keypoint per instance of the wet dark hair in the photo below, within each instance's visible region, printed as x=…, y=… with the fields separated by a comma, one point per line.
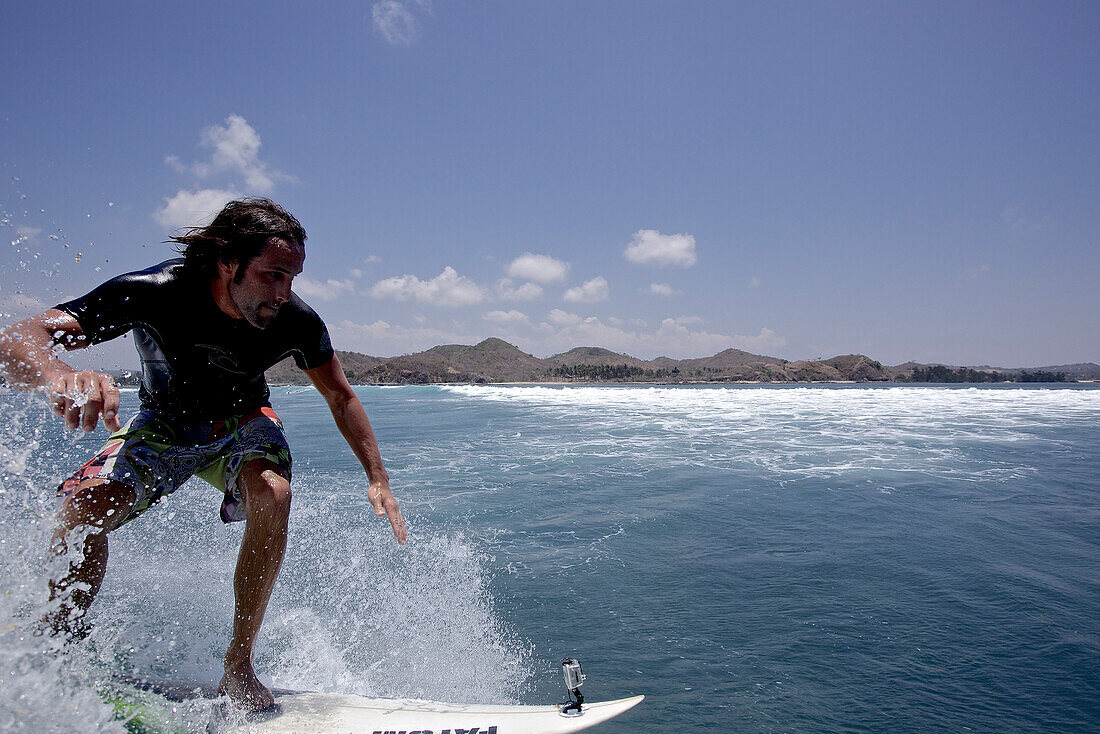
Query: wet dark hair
x=239, y=232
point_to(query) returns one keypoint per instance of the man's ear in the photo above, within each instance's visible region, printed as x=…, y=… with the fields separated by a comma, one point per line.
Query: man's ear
x=227, y=268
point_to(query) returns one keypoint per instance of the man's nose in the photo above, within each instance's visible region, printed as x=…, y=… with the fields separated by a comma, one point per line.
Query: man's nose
x=282, y=292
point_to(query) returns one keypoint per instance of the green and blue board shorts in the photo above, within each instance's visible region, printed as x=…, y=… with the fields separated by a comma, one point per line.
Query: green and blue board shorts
x=155, y=454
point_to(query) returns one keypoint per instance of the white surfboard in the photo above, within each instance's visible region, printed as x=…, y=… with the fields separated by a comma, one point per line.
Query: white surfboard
x=334, y=713
x=330, y=713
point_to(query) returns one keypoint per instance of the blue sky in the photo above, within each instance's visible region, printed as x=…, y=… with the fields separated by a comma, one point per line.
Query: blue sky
x=904, y=180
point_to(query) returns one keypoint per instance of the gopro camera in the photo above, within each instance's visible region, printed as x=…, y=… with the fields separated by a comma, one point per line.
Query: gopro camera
x=574, y=678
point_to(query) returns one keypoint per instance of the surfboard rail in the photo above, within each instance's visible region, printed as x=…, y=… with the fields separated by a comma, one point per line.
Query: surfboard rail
x=325, y=712
x=302, y=712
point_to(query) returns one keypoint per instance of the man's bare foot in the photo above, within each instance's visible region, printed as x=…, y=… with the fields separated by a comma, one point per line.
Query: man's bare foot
x=244, y=689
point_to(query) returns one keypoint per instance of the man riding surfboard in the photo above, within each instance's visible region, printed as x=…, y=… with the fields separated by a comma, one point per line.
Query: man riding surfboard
x=206, y=326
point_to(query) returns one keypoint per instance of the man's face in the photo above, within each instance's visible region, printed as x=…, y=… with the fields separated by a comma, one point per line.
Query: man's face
x=265, y=284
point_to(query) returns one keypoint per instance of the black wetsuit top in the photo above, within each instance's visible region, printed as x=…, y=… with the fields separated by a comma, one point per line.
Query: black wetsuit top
x=197, y=362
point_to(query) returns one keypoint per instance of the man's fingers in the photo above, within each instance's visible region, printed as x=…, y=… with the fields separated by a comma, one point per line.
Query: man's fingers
x=82, y=397
x=57, y=403
x=385, y=504
x=398, y=524
x=89, y=417
x=88, y=391
x=396, y=521
x=110, y=403
x=71, y=413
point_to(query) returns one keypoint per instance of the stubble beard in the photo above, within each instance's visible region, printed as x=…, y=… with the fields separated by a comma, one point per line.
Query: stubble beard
x=254, y=314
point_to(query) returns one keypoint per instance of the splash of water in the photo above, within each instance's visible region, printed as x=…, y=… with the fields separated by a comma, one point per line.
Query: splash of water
x=352, y=611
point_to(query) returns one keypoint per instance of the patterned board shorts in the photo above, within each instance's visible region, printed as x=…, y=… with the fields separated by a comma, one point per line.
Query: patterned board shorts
x=155, y=455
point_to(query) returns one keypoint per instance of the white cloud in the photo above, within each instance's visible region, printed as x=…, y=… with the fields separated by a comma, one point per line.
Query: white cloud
x=507, y=319
x=538, y=268
x=590, y=292
x=375, y=330
x=192, y=208
x=395, y=22
x=26, y=235
x=15, y=306
x=446, y=289
x=328, y=290
x=765, y=340
x=526, y=292
x=234, y=159
x=382, y=338
x=755, y=282
x=670, y=338
x=662, y=289
x=560, y=330
x=676, y=337
x=650, y=247
x=975, y=273
x=235, y=152
x=562, y=318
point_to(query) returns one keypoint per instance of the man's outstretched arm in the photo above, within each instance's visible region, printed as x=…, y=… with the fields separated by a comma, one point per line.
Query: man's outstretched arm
x=28, y=362
x=347, y=410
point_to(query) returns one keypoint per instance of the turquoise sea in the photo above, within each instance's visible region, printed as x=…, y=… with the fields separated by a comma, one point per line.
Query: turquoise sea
x=840, y=558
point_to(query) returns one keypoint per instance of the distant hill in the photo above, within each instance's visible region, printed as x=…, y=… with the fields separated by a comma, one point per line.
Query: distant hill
x=729, y=359
x=595, y=356
x=1070, y=372
x=1078, y=371
x=858, y=367
x=355, y=366
x=495, y=361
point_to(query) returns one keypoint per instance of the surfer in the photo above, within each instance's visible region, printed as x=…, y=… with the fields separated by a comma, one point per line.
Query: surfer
x=206, y=326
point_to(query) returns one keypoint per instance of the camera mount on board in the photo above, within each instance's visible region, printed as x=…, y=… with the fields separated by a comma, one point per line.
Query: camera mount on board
x=574, y=678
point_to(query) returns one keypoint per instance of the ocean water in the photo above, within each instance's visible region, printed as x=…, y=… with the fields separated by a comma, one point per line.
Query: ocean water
x=752, y=558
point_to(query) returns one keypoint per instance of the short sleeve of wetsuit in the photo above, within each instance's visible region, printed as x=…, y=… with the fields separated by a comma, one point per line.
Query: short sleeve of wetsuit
x=110, y=310
x=314, y=345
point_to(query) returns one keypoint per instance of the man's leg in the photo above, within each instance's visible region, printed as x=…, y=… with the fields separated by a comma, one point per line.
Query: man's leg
x=100, y=506
x=266, y=495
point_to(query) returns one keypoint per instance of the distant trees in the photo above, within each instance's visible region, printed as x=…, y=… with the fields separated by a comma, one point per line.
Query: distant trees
x=940, y=373
x=1040, y=376
x=607, y=372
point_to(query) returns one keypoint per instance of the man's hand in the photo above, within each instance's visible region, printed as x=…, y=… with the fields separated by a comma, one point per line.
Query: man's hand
x=384, y=503
x=82, y=397
x=28, y=362
x=347, y=411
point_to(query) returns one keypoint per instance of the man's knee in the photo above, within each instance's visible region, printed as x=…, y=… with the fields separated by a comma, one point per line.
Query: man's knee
x=266, y=491
x=99, y=504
